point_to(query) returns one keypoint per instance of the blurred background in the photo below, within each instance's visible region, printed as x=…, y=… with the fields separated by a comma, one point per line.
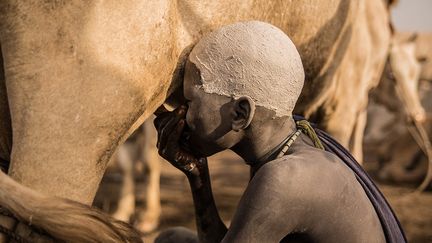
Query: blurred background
x=394, y=154
x=413, y=15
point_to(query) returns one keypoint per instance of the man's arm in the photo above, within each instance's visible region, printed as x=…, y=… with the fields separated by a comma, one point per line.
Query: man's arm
x=210, y=226
x=170, y=127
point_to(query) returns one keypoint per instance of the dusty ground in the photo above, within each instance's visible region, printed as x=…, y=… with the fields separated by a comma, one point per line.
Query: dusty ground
x=229, y=178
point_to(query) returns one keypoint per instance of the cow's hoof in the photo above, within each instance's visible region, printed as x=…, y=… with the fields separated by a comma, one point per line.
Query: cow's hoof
x=148, y=221
x=147, y=226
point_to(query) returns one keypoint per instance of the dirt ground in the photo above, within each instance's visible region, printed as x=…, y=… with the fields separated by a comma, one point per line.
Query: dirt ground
x=229, y=178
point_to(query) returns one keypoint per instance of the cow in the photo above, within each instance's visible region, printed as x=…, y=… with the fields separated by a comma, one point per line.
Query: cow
x=423, y=52
x=132, y=159
x=80, y=76
x=396, y=101
x=139, y=149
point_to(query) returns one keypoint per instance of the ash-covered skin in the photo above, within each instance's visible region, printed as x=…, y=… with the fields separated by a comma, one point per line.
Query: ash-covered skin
x=251, y=58
x=308, y=195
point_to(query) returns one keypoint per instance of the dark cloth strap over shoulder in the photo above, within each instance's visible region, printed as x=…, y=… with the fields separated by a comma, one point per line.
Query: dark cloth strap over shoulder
x=389, y=222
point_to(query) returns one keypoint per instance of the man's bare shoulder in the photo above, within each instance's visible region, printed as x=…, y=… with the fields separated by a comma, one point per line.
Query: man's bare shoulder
x=308, y=170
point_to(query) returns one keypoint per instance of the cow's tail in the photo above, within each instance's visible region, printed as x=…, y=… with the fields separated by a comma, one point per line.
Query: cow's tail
x=62, y=219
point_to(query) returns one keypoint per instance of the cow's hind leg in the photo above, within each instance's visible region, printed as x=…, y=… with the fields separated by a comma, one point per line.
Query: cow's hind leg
x=76, y=91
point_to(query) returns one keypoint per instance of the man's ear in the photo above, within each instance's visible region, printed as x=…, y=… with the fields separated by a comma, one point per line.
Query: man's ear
x=243, y=112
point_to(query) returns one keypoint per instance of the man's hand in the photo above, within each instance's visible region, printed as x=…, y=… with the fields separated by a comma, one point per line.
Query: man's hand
x=170, y=126
x=175, y=148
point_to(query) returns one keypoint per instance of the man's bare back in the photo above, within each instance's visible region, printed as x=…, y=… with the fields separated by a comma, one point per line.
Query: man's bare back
x=307, y=194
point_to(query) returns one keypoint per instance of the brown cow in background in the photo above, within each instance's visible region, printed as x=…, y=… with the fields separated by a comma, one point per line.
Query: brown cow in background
x=401, y=95
x=135, y=160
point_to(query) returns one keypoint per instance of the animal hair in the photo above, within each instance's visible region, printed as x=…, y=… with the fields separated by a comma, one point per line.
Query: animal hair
x=62, y=219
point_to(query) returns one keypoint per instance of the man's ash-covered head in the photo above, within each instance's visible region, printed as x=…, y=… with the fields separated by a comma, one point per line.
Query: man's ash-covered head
x=240, y=80
x=253, y=59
